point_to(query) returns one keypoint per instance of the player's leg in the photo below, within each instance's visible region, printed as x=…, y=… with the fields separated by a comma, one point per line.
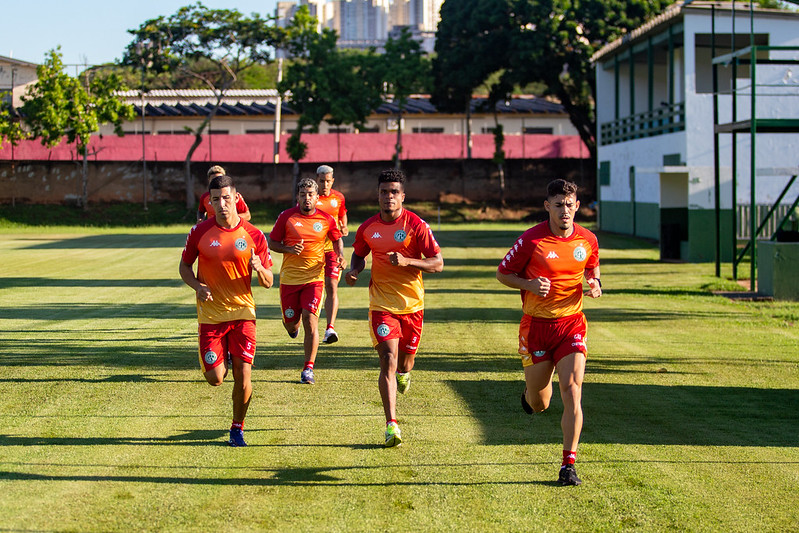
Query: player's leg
x=538, y=381
x=290, y=308
x=241, y=343
x=411, y=327
x=310, y=323
x=332, y=276
x=571, y=370
x=386, y=333
x=310, y=299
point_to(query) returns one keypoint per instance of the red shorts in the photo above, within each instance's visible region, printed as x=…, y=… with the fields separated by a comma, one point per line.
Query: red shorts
x=236, y=338
x=407, y=328
x=332, y=270
x=295, y=298
x=544, y=339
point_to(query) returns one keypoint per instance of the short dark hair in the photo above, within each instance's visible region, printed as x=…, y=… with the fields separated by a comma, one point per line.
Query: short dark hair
x=307, y=183
x=220, y=182
x=392, y=175
x=561, y=186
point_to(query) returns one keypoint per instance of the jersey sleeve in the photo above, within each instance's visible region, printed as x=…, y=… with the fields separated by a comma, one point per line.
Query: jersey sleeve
x=191, y=250
x=593, y=261
x=360, y=246
x=515, y=261
x=241, y=205
x=425, y=240
x=333, y=232
x=342, y=210
x=261, y=246
x=279, y=230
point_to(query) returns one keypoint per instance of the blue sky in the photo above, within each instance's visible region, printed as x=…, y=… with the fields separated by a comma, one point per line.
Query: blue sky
x=90, y=31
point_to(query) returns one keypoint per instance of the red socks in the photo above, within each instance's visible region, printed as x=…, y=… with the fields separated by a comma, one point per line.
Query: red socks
x=309, y=364
x=568, y=457
x=237, y=425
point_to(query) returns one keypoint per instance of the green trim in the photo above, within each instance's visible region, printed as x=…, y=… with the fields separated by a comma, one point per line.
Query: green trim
x=701, y=235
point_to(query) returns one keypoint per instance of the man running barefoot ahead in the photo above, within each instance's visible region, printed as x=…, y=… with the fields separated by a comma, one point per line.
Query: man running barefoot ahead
x=402, y=247
x=548, y=264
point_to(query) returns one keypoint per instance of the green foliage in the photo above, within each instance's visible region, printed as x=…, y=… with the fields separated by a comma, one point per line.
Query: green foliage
x=10, y=129
x=324, y=82
x=59, y=106
x=548, y=42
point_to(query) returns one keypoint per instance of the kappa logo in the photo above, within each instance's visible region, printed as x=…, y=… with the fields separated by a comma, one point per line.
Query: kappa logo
x=240, y=244
x=215, y=243
x=317, y=227
x=580, y=254
x=210, y=357
x=552, y=255
x=377, y=235
x=400, y=235
x=298, y=224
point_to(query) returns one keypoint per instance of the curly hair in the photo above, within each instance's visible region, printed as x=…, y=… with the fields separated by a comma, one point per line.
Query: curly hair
x=561, y=186
x=307, y=183
x=392, y=175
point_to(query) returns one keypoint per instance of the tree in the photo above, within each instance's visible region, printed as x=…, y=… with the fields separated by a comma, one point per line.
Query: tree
x=59, y=106
x=549, y=41
x=10, y=129
x=325, y=83
x=406, y=70
x=212, y=46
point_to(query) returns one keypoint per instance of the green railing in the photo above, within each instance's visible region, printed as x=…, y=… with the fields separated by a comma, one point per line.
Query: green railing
x=664, y=119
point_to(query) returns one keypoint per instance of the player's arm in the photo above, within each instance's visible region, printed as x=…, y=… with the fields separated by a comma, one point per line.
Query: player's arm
x=188, y=277
x=200, y=215
x=342, y=223
x=357, y=264
x=338, y=247
x=243, y=209
x=594, y=283
x=265, y=277
x=281, y=248
x=539, y=285
x=431, y=265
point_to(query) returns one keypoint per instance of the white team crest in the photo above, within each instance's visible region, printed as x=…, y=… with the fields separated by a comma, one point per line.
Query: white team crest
x=289, y=313
x=539, y=353
x=580, y=253
x=400, y=235
x=210, y=357
x=334, y=203
x=241, y=244
x=383, y=330
x=317, y=226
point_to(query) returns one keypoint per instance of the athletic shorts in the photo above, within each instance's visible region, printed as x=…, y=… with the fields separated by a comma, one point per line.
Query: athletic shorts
x=332, y=270
x=407, y=328
x=551, y=339
x=295, y=298
x=236, y=338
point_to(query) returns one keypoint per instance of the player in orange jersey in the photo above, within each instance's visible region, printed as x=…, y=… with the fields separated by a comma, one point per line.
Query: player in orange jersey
x=229, y=250
x=300, y=234
x=206, y=209
x=331, y=202
x=402, y=247
x=548, y=264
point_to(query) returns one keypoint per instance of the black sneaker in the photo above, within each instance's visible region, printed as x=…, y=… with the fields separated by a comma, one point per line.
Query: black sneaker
x=526, y=406
x=568, y=476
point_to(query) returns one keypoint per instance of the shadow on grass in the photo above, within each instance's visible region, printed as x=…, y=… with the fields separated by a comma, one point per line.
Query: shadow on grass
x=641, y=414
x=116, y=240
x=10, y=283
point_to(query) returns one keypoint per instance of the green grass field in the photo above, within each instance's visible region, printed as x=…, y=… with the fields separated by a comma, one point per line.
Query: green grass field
x=690, y=403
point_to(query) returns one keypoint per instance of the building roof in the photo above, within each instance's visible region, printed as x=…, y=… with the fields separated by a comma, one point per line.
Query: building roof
x=5, y=59
x=263, y=102
x=676, y=11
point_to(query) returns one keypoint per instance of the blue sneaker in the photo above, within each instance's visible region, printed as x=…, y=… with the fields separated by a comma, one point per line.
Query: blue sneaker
x=237, y=438
x=294, y=335
x=307, y=376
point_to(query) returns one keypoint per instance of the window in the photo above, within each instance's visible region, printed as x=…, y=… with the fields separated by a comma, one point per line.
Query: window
x=257, y=131
x=544, y=131
x=428, y=130
x=604, y=172
x=334, y=129
x=218, y=132
x=373, y=129
x=672, y=160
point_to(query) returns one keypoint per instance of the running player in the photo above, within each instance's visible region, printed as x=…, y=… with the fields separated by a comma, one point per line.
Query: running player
x=206, y=209
x=331, y=202
x=229, y=250
x=402, y=247
x=300, y=234
x=548, y=264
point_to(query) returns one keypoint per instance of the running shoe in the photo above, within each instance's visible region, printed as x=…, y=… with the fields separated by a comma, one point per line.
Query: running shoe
x=330, y=336
x=568, y=476
x=294, y=335
x=307, y=376
x=393, y=435
x=237, y=438
x=403, y=382
x=526, y=406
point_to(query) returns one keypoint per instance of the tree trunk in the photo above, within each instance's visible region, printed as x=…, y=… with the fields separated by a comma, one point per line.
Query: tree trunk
x=469, y=129
x=398, y=146
x=85, y=194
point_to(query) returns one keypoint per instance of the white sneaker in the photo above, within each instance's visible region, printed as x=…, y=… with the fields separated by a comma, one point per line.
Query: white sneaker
x=330, y=336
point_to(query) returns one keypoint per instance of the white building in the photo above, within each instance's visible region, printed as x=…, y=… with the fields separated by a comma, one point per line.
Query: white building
x=15, y=76
x=655, y=118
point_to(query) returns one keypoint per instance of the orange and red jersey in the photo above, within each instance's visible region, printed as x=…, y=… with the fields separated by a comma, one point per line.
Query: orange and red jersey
x=398, y=290
x=563, y=260
x=333, y=205
x=291, y=228
x=224, y=266
x=208, y=209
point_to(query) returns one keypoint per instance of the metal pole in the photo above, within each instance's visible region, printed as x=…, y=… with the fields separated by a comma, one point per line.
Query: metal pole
x=278, y=110
x=716, y=171
x=143, y=146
